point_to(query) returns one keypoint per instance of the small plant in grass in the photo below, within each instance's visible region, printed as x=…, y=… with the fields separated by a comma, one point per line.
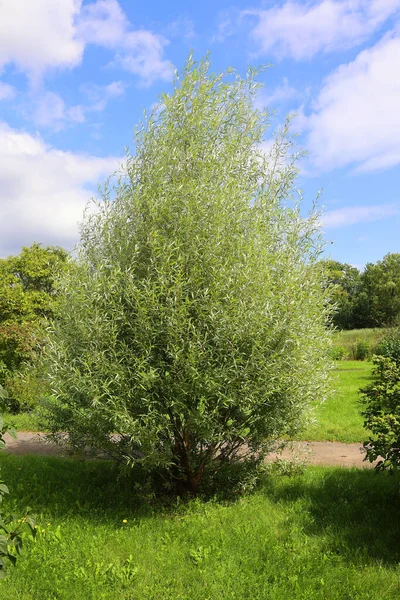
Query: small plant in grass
x=362, y=350
x=338, y=353
x=11, y=527
x=193, y=321
x=382, y=413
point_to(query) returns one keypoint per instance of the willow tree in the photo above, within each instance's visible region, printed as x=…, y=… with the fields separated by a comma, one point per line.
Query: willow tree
x=192, y=324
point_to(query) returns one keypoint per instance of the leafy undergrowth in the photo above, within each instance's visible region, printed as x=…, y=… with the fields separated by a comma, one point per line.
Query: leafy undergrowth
x=339, y=418
x=327, y=534
x=24, y=421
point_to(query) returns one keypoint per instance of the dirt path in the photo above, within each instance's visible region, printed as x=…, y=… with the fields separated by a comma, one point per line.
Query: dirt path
x=315, y=453
x=327, y=453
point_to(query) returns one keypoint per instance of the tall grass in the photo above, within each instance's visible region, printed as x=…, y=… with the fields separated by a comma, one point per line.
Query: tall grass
x=351, y=340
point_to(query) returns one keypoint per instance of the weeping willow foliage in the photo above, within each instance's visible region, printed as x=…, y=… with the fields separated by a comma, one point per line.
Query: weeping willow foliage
x=192, y=324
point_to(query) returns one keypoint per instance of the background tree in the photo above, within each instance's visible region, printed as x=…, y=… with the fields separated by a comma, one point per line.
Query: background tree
x=381, y=410
x=345, y=281
x=27, y=298
x=378, y=303
x=193, y=322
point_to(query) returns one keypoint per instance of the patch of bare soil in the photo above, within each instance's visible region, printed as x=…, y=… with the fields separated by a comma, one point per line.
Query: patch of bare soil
x=314, y=453
x=326, y=453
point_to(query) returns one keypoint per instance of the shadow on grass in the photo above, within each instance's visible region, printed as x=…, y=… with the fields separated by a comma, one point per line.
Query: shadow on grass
x=344, y=370
x=68, y=487
x=356, y=511
x=101, y=490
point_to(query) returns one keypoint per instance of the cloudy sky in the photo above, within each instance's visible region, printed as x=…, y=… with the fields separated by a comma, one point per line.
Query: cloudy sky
x=76, y=75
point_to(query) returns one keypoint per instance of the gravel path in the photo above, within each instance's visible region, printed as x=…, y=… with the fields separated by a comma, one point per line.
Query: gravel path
x=315, y=453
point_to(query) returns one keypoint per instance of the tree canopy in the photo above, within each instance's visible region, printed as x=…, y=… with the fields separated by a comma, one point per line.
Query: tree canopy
x=367, y=299
x=193, y=322
x=345, y=281
x=381, y=291
x=27, y=298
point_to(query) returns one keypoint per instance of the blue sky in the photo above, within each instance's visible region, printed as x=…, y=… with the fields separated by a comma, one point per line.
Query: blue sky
x=75, y=77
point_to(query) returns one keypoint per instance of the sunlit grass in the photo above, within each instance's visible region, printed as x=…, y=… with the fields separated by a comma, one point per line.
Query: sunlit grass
x=24, y=421
x=339, y=419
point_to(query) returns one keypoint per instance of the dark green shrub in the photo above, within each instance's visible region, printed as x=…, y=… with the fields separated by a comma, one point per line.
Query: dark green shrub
x=390, y=346
x=27, y=300
x=362, y=350
x=338, y=353
x=381, y=401
x=11, y=528
x=25, y=390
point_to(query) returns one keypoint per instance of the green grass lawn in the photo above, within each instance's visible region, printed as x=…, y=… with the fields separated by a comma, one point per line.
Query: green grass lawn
x=338, y=419
x=327, y=534
x=24, y=421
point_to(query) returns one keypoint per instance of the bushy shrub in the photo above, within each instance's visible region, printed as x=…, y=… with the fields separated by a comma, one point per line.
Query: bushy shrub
x=193, y=323
x=382, y=413
x=338, y=353
x=27, y=300
x=361, y=350
x=4, y=373
x=390, y=346
x=26, y=388
x=20, y=348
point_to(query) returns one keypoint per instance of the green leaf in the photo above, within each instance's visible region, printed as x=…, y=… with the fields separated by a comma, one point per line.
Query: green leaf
x=12, y=432
x=3, y=545
x=12, y=559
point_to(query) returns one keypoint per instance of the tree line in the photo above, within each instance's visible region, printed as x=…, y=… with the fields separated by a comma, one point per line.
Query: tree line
x=370, y=298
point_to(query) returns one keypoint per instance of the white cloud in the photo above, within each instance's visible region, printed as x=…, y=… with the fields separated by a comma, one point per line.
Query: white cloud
x=37, y=35
x=279, y=95
x=40, y=34
x=356, y=118
x=76, y=114
x=100, y=95
x=228, y=24
x=138, y=51
x=43, y=191
x=352, y=215
x=7, y=92
x=141, y=54
x=300, y=30
x=103, y=23
x=49, y=109
x=181, y=27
